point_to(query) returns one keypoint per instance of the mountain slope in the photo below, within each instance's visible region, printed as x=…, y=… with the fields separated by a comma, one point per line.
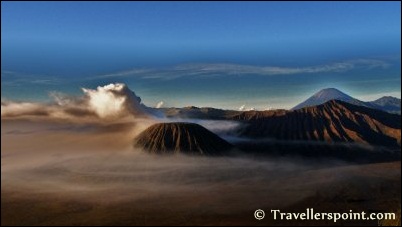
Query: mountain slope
x=181, y=137
x=326, y=95
x=388, y=103
x=333, y=121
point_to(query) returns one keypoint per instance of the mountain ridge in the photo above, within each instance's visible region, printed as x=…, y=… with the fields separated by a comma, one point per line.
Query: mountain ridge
x=385, y=103
x=333, y=121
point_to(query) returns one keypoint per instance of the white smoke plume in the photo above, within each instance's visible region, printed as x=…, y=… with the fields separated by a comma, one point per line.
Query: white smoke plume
x=110, y=102
x=113, y=100
x=243, y=108
x=159, y=104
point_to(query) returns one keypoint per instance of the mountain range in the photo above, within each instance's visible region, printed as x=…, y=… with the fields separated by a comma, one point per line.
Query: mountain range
x=333, y=121
x=329, y=116
x=335, y=129
x=386, y=103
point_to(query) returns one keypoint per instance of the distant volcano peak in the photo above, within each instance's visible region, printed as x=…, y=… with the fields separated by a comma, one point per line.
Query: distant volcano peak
x=330, y=92
x=326, y=95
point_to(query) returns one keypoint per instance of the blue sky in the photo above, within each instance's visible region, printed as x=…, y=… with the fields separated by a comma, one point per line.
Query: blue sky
x=220, y=54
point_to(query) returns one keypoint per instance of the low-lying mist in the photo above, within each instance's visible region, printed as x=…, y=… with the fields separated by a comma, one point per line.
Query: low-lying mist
x=93, y=170
x=68, y=158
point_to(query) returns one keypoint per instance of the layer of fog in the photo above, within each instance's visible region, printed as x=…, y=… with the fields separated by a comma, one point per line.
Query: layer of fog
x=96, y=163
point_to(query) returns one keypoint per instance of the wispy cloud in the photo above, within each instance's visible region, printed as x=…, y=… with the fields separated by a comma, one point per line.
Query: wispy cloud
x=126, y=73
x=373, y=81
x=11, y=78
x=219, y=69
x=7, y=72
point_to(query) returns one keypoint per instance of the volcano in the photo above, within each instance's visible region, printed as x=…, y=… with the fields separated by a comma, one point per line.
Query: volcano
x=180, y=137
x=326, y=95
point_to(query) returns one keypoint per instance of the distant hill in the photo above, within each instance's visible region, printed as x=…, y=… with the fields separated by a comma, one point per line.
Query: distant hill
x=333, y=121
x=198, y=113
x=389, y=104
x=180, y=137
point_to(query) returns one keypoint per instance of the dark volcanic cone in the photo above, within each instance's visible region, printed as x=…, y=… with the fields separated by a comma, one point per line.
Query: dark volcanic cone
x=181, y=137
